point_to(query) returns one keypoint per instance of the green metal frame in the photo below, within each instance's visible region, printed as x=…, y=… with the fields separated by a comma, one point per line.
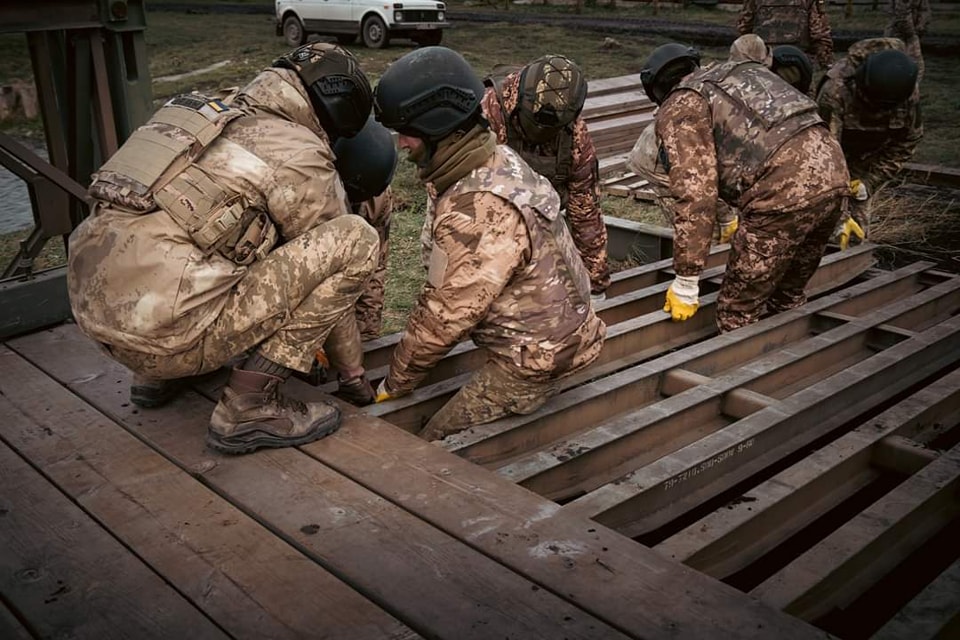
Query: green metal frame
x=89, y=64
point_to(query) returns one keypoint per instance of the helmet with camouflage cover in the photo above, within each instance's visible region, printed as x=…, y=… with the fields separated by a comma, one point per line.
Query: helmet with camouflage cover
x=886, y=78
x=665, y=67
x=551, y=93
x=338, y=89
x=366, y=161
x=793, y=65
x=428, y=93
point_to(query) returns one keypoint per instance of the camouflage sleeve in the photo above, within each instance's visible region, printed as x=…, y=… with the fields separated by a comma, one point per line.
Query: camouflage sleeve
x=306, y=191
x=684, y=126
x=369, y=308
x=494, y=115
x=745, y=20
x=821, y=40
x=831, y=111
x=583, y=209
x=479, y=241
x=923, y=17
x=901, y=20
x=899, y=149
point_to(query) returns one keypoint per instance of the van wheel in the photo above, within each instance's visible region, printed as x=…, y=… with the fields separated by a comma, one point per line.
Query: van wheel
x=293, y=31
x=346, y=38
x=375, y=33
x=429, y=39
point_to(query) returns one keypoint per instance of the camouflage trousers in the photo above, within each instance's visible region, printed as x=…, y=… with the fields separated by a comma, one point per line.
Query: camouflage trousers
x=913, y=50
x=369, y=308
x=772, y=257
x=492, y=393
x=285, y=305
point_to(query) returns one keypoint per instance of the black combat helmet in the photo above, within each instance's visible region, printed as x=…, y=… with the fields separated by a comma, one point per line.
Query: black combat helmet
x=665, y=67
x=886, y=78
x=338, y=89
x=428, y=93
x=366, y=161
x=552, y=91
x=793, y=65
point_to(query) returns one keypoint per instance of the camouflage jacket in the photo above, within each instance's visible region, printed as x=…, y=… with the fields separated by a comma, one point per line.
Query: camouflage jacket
x=138, y=280
x=876, y=142
x=802, y=23
x=503, y=271
x=369, y=309
x=706, y=140
x=908, y=19
x=579, y=187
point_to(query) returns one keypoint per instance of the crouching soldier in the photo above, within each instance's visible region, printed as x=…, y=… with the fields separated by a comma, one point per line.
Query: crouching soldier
x=739, y=132
x=503, y=268
x=537, y=111
x=220, y=229
x=871, y=101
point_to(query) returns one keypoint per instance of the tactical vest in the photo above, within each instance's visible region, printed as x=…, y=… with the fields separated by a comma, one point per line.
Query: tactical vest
x=754, y=112
x=155, y=168
x=554, y=166
x=552, y=252
x=783, y=22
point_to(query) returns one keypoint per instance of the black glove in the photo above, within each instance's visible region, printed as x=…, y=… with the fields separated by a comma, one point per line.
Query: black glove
x=356, y=391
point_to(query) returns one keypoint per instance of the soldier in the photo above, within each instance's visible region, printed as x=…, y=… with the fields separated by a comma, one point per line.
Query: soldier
x=739, y=132
x=503, y=268
x=802, y=23
x=219, y=229
x=909, y=20
x=871, y=102
x=793, y=65
x=536, y=110
x=366, y=163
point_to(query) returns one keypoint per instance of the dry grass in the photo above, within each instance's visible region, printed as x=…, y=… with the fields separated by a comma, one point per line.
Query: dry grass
x=916, y=224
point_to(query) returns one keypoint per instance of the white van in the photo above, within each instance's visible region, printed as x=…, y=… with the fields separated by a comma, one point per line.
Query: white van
x=375, y=21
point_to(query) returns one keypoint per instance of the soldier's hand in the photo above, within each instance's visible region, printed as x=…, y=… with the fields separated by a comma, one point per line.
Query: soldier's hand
x=727, y=229
x=357, y=391
x=858, y=190
x=683, y=298
x=850, y=228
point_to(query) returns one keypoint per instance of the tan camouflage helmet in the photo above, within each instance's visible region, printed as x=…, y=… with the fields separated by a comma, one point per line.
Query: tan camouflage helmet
x=552, y=91
x=338, y=89
x=750, y=47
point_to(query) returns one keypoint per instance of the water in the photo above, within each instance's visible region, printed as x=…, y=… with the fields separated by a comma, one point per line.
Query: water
x=15, y=210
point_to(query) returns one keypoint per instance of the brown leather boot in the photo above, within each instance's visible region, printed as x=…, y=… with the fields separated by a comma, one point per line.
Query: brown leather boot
x=252, y=414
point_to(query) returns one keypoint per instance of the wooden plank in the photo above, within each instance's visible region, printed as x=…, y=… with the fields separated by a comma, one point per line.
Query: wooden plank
x=604, y=572
x=845, y=564
x=732, y=537
x=429, y=580
x=616, y=84
x=10, y=627
x=932, y=613
x=244, y=578
x=67, y=576
x=649, y=497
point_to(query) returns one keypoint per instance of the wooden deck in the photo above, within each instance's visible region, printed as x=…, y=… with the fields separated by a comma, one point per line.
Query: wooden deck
x=689, y=486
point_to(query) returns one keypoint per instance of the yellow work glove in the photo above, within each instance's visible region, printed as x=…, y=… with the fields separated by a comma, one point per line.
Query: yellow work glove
x=727, y=229
x=382, y=394
x=683, y=298
x=850, y=227
x=858, y=190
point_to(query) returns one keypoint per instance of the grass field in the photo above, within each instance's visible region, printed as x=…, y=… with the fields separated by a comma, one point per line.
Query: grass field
x=180, y=43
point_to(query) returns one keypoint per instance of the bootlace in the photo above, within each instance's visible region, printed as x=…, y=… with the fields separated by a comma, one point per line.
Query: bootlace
x=286, y=402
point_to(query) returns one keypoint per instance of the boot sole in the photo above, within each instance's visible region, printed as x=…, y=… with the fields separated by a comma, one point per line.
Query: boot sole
x=254, y=439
